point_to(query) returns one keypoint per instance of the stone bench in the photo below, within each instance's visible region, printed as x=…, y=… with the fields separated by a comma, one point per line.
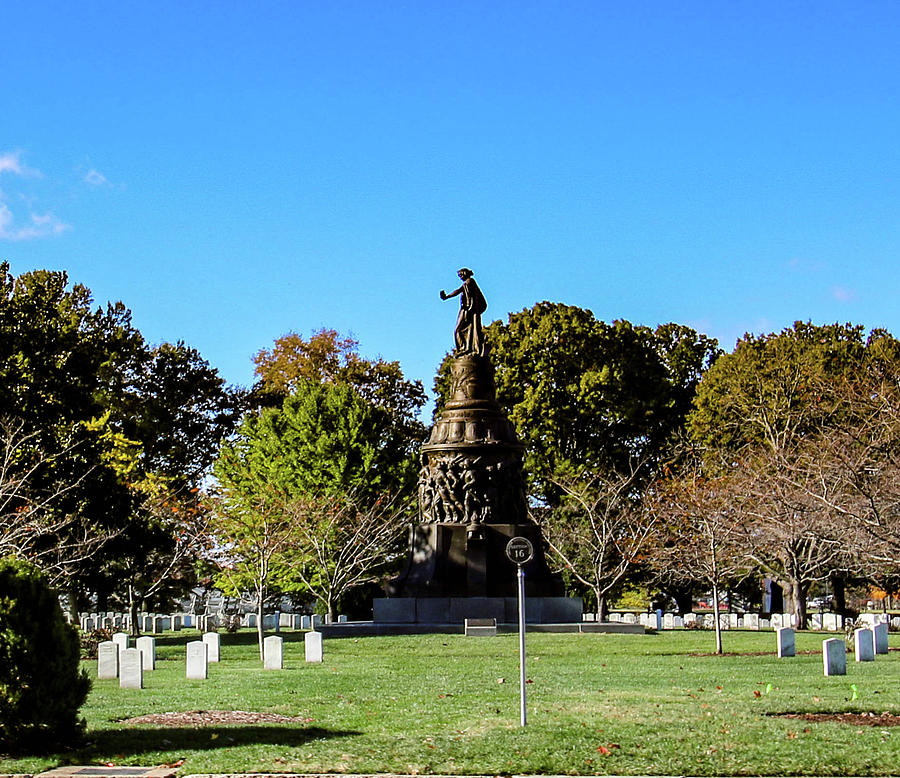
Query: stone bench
x=480, y=627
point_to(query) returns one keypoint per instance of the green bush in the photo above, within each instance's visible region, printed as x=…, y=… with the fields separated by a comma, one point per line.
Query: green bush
x=41, y=685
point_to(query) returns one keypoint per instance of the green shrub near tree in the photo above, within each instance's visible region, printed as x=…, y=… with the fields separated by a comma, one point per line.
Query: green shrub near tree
x=41, y=685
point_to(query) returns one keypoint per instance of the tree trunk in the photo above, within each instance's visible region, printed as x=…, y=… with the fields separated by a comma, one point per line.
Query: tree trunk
x=797, y=596
x=718, y=626
x=602, y=608
x=839, y=594
x=260, y=634
x=133, y=605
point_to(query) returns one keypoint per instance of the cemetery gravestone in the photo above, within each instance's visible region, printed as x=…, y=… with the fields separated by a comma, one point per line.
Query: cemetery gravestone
x=834, y=656
x=131, y=670
x=107, y=660
x=786, y=642
x=273, y=653
x=213, y=644
x=312, y=642
x=197, y=660
x=864, y=644
x=881, y=638
x=121, y=640
x=147, y=647
x=305, y=622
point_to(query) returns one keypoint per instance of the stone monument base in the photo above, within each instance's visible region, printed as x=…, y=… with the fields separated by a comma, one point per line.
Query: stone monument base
x=454, y=610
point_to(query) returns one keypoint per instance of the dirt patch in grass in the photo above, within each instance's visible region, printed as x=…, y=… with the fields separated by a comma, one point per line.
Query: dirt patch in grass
x=885, y=719
x=214, y=718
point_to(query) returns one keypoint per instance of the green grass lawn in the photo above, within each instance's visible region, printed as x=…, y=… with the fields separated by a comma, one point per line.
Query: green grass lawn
x=605, y=704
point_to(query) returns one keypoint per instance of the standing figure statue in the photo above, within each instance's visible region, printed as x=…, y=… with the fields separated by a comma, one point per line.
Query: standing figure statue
x=468, y=334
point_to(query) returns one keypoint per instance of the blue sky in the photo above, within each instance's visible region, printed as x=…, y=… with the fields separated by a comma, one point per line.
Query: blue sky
x=235, y=170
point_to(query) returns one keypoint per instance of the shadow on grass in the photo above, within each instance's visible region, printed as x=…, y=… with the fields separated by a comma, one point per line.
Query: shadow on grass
x=140, y=740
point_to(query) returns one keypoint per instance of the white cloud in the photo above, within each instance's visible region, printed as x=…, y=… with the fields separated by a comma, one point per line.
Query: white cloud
x=11, y=162
x=95, y=178
x=40, y=226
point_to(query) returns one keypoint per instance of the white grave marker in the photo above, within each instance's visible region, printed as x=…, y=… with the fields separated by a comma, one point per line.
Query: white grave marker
x=312, y=642
x=864, y=644
x=834, y=656
x=197, y=660
x=147, y=646
x=213, y=645
x=881, y=638
x=273, y=653
x=131, y=671
x=121, y=640
x=785, y=642
x=107, y=660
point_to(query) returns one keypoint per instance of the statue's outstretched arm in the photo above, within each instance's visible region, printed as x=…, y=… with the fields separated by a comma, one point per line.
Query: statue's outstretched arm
x=445, y=296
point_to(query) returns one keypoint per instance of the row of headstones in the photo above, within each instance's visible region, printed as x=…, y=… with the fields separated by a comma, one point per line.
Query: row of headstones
x=156, y=623
x=828, y=622
x=278, y=620
x=116, y=660
x=867, y=643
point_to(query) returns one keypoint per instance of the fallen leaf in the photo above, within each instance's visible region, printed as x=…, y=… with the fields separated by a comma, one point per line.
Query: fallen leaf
x=791, y=735
x=501, y=680
x=604, y=750
x=757, y=693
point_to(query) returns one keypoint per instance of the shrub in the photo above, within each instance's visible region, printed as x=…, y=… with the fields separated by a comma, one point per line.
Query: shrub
x=41, y=685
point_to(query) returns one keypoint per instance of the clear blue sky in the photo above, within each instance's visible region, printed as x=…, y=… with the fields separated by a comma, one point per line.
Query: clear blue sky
x=236, y=170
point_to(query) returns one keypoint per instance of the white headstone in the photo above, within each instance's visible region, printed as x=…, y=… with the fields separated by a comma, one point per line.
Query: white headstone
x=316, y=620
x=342, y=618
x=305, y=622
x=213, y=644
x=816, y=621
x=834, y=656
x=677, y=622
x=864, y=644
x=312, y=642
x=629, y=618
x=776, y=621
x=197, y=660
x=669, y=621
x=175, y=622
x=881, y=638
x=251, y=620
x=147, y=647
x=785, y=642
x=285, y=620
x=273, y=652
x=764, y=624
x=832, y=622
x=131, y=671
x=895, y=622
x=690, y=618
x=107, y=660
x=733, y=621
x=121, y=640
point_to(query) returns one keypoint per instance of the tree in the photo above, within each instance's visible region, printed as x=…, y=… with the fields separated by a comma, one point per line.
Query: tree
x=61, y=364
x=698, y=532
x=771, y=407
x=30, y=528
x=251, y=540
x=330, y=358
x=312, y=477
x=110, y=424
x=342, y=544
x=42, y=685
x=598, y=534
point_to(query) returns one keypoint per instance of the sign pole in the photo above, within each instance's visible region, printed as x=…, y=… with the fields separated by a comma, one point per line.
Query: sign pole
x=520, y=552
x=522, y=713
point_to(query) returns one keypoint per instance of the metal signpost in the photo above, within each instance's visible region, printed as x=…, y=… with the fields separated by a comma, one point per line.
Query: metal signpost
x=521, y=552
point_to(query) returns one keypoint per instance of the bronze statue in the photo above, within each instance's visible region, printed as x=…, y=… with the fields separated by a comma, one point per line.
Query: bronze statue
x=468, y=334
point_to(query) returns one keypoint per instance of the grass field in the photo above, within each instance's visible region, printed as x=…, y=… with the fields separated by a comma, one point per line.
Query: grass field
x=604, y=704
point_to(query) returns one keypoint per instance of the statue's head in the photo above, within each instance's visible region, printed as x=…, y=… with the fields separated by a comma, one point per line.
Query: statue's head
x=465, y=273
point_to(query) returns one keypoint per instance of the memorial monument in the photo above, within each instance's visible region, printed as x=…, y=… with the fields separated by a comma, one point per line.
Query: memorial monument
x=471, y=503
